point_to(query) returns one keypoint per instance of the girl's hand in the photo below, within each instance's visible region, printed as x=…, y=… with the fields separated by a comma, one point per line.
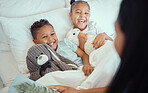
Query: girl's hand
x=87, y=69
x=99, y=40
x=82, y=39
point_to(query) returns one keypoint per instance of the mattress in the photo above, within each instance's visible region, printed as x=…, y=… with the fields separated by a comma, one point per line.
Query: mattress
x=8, y=64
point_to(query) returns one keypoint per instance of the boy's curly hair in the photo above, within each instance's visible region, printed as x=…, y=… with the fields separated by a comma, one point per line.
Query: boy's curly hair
x=37, y=25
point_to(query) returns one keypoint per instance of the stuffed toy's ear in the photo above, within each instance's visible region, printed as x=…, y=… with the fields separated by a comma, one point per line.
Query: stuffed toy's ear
x=53, y=53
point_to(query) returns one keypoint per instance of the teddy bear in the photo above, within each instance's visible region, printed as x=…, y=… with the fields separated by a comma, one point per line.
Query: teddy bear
x=72, y=35
x=42, y=59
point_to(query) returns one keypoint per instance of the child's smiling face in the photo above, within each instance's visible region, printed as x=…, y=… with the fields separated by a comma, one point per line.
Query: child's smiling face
x=80, y=15
x=47, y=35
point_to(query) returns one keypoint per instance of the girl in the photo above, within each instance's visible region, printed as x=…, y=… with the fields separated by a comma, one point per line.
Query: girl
x=80, y=14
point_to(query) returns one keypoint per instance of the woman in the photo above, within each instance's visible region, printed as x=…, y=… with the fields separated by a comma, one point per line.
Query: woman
x=131, y=29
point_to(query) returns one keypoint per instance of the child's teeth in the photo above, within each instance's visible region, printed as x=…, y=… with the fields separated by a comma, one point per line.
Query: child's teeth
x=82, y=20
x=51, y=43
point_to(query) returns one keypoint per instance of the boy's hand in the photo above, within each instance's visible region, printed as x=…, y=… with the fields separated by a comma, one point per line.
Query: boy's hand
x=99, y=40
x=82, y=39
x=87, y=69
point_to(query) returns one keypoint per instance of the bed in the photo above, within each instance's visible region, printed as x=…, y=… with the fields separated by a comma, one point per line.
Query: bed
x=16, y=16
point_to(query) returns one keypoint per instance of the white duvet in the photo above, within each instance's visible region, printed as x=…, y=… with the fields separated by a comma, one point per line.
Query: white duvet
x=106, y=62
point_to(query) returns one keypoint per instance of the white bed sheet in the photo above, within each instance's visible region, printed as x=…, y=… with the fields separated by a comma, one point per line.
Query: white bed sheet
x=107, y=63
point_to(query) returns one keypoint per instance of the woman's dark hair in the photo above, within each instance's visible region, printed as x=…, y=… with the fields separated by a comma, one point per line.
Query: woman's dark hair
x=37, y=25
x=73, y=4
x=132, y=75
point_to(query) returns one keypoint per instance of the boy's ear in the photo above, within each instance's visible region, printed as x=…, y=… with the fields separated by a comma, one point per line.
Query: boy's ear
x=70, y=14
x=35, y=41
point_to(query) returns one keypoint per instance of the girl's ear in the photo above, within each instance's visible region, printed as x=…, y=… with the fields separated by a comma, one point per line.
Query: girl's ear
x=35, y=41
x=70, y=14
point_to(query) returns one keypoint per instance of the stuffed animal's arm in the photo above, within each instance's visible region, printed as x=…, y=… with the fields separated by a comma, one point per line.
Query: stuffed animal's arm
x=62, y=63
x=65, y=64
x=35, y=75
x=65, y=60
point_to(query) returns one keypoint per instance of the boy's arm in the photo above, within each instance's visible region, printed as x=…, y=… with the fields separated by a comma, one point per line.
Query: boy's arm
x=87, y=68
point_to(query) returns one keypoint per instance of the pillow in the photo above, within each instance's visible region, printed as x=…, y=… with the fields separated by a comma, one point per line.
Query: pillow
x=1, y=83
x=19, y=35
x=68, y=2
x=104, y=13
x=4, y=46
x=21, y=8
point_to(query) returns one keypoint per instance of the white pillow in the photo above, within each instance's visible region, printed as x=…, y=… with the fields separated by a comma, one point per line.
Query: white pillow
x=19, y=35
x=104, y=13
x=68, y=2
x=21, y=8
x=4, y=46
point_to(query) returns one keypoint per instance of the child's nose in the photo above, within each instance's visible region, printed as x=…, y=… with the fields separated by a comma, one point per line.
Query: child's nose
x=82, y=15
x=50, y=39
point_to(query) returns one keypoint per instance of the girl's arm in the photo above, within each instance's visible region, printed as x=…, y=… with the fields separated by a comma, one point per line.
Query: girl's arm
x=87, y=68
x=100, y=40
x=107, y=37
